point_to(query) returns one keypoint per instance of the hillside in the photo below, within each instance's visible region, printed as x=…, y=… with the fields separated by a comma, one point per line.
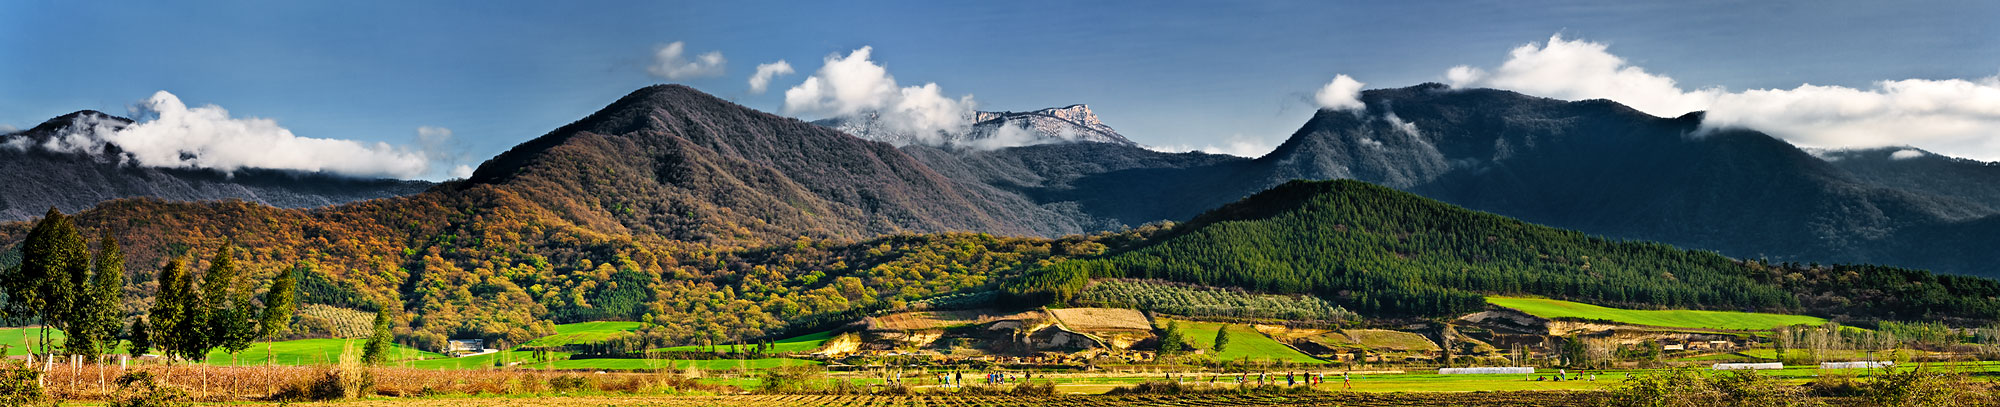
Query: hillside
x=1382, y=252
x=672, y=162
x=39, y=178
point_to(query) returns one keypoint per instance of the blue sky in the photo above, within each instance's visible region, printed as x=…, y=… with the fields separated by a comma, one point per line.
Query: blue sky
x=1164, y=73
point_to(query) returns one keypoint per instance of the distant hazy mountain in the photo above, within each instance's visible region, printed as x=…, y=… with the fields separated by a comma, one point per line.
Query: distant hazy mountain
x=1976, y=182
x=37, y=178
x=991, y=130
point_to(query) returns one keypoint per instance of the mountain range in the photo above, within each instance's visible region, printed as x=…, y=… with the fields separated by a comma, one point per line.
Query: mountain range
x=674, y=203
x=39, y=177
x=671, y=163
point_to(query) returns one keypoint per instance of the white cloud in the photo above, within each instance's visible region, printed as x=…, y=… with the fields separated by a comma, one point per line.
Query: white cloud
x=462, y=171
x=1403, y=126
x=1951, y=116
x=8, y=129
x=170, y=134
x=1343, y=93
x=1236, y=144
x=854, y=86
x=1010, y=134
x=1577, y=70
x=765, y=72
x=669, y=63
x=1905, y=154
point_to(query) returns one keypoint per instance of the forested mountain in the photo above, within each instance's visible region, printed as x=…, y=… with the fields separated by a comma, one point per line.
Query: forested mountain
x=672, y=162
x=38, y=178
x=708, y=216
x=1384, y=252
x=1916, y=170
x=1594, y=166
x=1603, y=168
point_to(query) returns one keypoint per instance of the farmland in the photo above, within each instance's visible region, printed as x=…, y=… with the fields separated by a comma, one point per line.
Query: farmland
x=797, y=344
x=1245, y=343
x=1727, y=320
x=584, y=332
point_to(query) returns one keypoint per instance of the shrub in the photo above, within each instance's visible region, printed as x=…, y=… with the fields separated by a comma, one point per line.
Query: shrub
x=139, y=389
x=20, y=387
x=1686, y=386
x=569, y=383
x=1922, y=387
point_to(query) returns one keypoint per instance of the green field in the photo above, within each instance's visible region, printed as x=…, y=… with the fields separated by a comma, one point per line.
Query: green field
x=1244, y=343
x=1731, y=320
x=309, y=352
x=584, y=332
x=797, y=344
x=17, y=339
x=294, y=352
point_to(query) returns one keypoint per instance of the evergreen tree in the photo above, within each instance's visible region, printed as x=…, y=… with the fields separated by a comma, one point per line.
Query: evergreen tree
x=280, y=303
x=140, y=337
x=177, y=321
x=1221, y=338
x=96, y=319
x=1174, y=342
x=376, y=351
x=231, y=321
x=54, y=267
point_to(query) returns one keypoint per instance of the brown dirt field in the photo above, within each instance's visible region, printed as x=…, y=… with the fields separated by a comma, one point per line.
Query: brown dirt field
x=1103, y=319
x=922, y=320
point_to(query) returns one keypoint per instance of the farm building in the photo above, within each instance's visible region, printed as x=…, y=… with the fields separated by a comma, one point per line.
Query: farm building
x=465, y=346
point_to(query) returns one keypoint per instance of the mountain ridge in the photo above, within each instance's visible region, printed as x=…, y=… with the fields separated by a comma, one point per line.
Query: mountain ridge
x=41, y=176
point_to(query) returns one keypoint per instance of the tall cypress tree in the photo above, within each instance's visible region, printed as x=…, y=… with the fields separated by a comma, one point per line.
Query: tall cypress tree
x=376, y=351
x=1221, y=339
x=96, y=316
x=54, y=267
x=175, y=324
x=231, y=322
x=280, y=303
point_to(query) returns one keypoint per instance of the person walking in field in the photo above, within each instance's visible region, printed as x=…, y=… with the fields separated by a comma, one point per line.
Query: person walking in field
x=1346, y=382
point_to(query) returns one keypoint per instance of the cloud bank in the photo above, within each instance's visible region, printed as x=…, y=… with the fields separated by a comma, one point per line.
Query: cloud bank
x=854, y=86
x=1236, y=144
x=1959, y=117
x=1343, y=93
x=761, y=80
x=170, y=134
x=669, y=63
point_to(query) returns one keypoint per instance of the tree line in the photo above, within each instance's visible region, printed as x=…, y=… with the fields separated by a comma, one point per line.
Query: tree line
x=61, y=285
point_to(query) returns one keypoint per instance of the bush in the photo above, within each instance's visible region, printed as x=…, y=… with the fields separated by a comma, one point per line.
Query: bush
x=334, y=384
x=1922, y=387
x=21, y=387
x=569, y=383
x=1690, y=387
x=139, y=389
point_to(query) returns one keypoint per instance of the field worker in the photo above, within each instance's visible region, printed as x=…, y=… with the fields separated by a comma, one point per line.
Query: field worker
x=1346, y=382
